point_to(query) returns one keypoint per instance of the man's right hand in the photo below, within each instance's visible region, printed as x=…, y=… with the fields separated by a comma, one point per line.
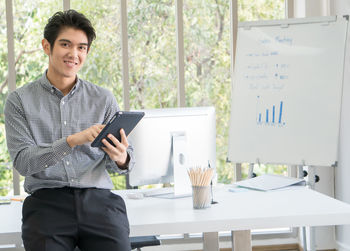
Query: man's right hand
x=88, y=135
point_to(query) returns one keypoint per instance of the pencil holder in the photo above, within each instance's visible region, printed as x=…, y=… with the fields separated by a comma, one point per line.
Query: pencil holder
x=201, y=197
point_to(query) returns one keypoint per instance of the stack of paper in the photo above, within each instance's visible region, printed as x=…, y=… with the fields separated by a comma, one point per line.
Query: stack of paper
x=269, y=182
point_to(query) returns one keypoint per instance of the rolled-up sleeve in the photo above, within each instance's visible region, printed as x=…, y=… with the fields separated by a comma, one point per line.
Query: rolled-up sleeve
x=112, y=166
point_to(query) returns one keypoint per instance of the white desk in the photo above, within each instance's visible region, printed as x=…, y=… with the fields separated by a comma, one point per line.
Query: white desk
x=235, y=211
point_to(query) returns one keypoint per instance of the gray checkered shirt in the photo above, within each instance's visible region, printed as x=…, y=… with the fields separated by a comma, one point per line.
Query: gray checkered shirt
x=38, y=120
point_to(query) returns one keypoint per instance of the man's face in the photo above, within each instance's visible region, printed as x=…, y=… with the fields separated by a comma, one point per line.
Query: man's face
x=68, y=54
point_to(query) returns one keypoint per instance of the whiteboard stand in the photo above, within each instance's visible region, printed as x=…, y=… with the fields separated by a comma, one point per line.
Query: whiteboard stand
x=311, y=183
x=251, y=171
x=281, y=79
x=303, y=229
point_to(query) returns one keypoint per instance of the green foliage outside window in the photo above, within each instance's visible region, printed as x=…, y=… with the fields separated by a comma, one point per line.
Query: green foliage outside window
x=152, y=57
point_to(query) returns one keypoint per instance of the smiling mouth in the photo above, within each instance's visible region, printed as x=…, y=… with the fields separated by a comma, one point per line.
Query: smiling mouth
x=70, y=62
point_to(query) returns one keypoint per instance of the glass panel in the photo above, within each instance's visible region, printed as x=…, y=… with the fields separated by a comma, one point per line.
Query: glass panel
x=103, y=65
x=265, y=169
x=3, y=52
x=152, y=54
x=5, y=172
x=207, y=67
x=252, y=10
x=29, y=20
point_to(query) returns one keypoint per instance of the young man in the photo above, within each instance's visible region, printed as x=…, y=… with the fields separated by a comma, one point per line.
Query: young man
x=50, y=124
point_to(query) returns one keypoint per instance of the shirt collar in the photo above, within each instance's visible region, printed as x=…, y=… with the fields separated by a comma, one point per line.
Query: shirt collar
x=48, y=86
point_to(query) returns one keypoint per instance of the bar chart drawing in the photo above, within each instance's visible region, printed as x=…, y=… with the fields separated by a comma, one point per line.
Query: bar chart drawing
x=269, y=114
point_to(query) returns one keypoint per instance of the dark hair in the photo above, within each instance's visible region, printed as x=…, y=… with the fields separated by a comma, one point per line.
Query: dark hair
x=68, y=18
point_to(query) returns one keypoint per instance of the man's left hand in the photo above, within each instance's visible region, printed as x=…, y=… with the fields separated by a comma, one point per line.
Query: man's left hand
x=118, y=152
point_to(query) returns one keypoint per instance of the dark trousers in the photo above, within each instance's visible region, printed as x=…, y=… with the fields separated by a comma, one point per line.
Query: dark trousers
x=61, y=219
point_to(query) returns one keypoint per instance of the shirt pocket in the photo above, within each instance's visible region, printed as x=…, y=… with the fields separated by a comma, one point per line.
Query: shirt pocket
x=43, y=130
x=56, y=172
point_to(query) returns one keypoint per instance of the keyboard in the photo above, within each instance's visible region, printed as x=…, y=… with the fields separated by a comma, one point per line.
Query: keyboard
x=165, y=193
x=153, y=192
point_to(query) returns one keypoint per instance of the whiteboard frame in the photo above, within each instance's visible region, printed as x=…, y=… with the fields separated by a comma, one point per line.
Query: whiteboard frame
x=284, y=24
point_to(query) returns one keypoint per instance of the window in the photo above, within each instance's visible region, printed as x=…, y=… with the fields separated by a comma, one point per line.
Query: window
x=29, y=18
x=152, y=56
x=103, y=64
x=253, y=10
x=5, y=172
x=207, y=67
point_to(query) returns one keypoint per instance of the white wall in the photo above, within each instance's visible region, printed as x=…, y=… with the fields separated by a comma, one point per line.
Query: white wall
x=310, y=8
x=324, y=236
x=342, y=172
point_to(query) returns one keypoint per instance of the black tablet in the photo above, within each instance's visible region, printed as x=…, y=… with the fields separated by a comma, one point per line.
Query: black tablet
x=125, y=120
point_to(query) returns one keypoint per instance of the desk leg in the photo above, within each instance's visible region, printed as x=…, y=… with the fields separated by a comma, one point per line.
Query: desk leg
x=211, y=241
x=312, y=239
x=241, y=240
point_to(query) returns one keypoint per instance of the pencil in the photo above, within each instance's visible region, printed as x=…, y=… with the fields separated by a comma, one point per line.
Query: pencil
x=17, y=199
x=200, y=176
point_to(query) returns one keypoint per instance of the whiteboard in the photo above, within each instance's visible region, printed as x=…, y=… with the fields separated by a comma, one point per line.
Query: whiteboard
x=286, y=91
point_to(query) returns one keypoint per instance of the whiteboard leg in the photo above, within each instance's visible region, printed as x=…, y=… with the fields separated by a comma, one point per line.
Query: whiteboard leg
x=293, y=171
x=251, y=170
x=301, y=172
x=303, y=229
x=311, y=179
x=238, y=172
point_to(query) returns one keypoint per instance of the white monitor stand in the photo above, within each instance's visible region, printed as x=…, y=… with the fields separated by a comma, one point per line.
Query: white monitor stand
x=182, y=183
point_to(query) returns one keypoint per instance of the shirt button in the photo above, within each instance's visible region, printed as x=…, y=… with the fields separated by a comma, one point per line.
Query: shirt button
x=65, y=122
x=64, y=153
x=52, y=90
x=67, y=162
x=62, y=102
x=72, y=180
x=45, y=165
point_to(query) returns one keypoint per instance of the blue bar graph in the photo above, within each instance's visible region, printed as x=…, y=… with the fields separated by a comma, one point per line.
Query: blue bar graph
x=280, y=117
x=269, y=114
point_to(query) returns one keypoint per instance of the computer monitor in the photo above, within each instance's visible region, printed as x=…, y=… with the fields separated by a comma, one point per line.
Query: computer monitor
x=190, y=131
